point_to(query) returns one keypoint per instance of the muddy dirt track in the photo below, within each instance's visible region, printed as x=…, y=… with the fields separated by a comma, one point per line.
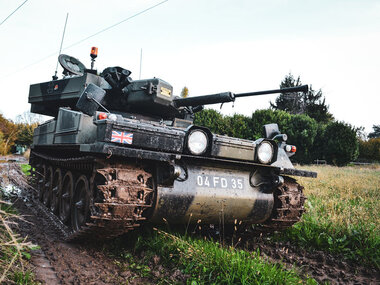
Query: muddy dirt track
x=58, y=262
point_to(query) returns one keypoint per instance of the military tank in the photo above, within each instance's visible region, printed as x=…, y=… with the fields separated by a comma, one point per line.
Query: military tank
x=120, y=152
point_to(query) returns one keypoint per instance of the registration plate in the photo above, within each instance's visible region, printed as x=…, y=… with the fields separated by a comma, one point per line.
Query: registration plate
x=225, y=182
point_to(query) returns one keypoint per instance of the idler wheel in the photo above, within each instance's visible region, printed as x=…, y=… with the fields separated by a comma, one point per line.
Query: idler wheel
x=47, y=186
x=80, y=212
x=56, y=190
x=65, y=197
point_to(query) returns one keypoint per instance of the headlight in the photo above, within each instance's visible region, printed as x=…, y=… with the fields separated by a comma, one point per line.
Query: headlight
x=197, y=142
x=265, y=152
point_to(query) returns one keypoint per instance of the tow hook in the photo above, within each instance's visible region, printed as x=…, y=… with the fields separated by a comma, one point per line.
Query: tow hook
x=279, y=180
x=265, y=181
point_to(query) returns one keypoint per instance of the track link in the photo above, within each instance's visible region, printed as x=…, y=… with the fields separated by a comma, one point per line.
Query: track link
x=288, y=207
x=117, y=204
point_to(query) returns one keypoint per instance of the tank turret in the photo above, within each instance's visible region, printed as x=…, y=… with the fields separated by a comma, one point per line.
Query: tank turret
x=122, y=94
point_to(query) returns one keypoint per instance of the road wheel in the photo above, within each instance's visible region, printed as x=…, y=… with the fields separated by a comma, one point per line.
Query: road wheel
x=56, y=190
x=47, y=186
x=66, y=195
x=80, y=212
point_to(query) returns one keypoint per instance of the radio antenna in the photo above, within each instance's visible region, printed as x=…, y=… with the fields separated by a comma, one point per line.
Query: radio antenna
x=140, y=63
x=55, y=77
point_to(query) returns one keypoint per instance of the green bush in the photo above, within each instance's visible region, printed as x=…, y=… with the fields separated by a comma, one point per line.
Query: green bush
x=341, y=143
x=239, y=126
x=318, y=148
x=302, y=132
x=336, y=142
x=261, y=117
x=370, y=150
x=213, y=120
x=301, y=129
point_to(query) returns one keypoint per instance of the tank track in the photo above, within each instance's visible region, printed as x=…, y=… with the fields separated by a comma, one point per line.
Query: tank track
x=128, y=192
x=118, y=207
x=288, y=207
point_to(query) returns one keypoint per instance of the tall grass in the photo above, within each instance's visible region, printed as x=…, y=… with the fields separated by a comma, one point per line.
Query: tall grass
x=14, y=250
x=343, y=213
x=25, y=168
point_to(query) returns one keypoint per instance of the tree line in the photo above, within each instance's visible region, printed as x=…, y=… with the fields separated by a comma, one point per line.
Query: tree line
x=370, y=149
x=306, y=119
x=19, y=133
x=336, y=142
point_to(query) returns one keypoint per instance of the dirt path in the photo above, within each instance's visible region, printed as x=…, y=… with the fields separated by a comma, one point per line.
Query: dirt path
x=72, y=263
x=59, y=262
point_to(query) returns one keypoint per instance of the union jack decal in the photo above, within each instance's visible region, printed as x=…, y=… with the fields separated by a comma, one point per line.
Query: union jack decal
x=122, y=137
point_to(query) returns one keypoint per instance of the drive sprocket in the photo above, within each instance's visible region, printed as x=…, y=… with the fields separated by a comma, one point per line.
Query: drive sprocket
x=288, y=206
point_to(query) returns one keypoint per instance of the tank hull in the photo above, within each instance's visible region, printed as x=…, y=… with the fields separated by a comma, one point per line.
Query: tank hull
x=125, y=192
x=212, y=195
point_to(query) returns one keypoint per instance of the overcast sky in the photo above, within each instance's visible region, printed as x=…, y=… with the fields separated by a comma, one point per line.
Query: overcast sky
x=208, y=46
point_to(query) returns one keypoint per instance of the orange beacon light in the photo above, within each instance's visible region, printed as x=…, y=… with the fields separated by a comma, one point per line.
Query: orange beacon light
x=94, y=52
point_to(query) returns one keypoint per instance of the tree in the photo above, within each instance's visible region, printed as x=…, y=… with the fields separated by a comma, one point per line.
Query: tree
x=311, y=103
x=289, y=102
x=25, y=134
x=315, y=106
x=185, y=92
x=9, y=132
x=375, y=133
x=29, y=118
x=20, y=133
x=369, y=150
x=26, y=123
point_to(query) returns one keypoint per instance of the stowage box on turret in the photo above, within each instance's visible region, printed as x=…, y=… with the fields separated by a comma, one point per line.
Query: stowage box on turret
x=121, y=152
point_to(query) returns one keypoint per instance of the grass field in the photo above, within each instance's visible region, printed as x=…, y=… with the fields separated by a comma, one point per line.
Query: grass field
x=343, y=213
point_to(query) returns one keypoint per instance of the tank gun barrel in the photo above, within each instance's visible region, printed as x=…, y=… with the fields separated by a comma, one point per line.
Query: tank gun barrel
x=302, y=88
x=230, y=97
x=205, y=99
